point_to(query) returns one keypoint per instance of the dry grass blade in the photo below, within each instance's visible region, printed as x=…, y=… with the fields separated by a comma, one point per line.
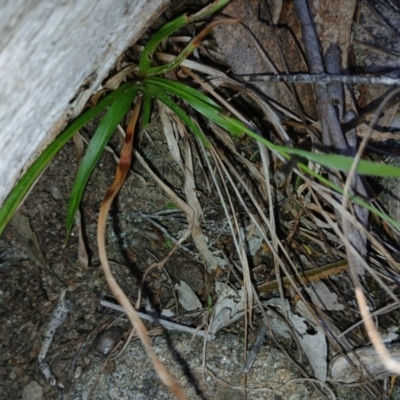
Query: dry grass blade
x=119, y=179
x=390, y=363
x=173, y=129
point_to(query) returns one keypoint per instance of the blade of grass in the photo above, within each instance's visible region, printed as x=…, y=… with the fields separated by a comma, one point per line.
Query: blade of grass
x=171, y=27
x=335, y=161
x=339, y=162
x=214, y=112
x=181, y=90
x=160, y=95
x=99, y=140
x=146, y=109
x=194, y=43
x=28, y=179
x=120, y=176
x=156, y=39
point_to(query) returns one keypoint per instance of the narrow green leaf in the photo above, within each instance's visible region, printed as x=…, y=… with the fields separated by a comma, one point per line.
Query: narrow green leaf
x=99, y=140
x=335, y=161
x=146, y=109
x=210, y=111
x=168, y=29
x=341, y=163
x=159, y=94
x=189, y=48
x=182, y=91
x=156, y=39
x=21, y=189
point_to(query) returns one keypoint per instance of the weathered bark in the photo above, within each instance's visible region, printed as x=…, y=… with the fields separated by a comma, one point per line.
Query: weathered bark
x=53, y=55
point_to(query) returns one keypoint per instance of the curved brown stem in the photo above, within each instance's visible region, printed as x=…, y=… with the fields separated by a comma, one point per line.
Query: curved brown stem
x=122, y=171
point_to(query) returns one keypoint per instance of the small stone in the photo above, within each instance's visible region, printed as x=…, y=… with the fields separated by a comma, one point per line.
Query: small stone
x=32, y=391
x=106, y=341
x=78, y=372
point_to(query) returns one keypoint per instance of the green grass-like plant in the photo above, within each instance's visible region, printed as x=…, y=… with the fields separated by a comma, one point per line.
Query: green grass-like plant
x=151, y=85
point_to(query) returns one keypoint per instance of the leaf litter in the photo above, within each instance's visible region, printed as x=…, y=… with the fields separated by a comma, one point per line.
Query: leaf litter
x=248, y=203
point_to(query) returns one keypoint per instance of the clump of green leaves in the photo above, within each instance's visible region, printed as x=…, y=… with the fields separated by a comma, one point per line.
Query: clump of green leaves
x=151, y=85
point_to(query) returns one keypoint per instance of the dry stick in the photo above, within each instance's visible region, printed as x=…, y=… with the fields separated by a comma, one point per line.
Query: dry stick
x=173, y=326
x=366, y=112
x=331, y=132
x=304, y=278
x=390, y=363
x=119, y=179
x=255, y=348
x=57, y=318
x=332, y=135
x=323, y=79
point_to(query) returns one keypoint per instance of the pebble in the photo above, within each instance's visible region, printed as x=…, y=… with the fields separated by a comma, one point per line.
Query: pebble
x=32, y=391
x=106, y=340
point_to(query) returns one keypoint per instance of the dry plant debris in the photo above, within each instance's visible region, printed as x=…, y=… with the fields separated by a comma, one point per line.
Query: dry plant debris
x=280, y=252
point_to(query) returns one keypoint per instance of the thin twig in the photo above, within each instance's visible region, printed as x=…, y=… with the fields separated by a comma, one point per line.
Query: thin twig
x=172, y=326
x=307, y=276
x=57, y=318
x=255, y=348
x=384, y=310
x=323, y=79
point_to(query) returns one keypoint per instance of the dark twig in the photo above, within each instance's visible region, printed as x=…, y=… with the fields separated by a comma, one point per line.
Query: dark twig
x=255, y=348
x=375, y=47
x=163, y=322
x=331, y=131
x=332, y=134
x=365, y=115
x=332, y=59
x=382, y=20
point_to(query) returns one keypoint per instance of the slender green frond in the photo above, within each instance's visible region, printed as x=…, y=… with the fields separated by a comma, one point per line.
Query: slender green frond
x=335, y=161
x=183, y=91
x=171, y=27
x=159, y=94
x=189, y=48
x=146, y=109
x=21, y=189
x=341, y=163
x=156, y=39
x=99, y=140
